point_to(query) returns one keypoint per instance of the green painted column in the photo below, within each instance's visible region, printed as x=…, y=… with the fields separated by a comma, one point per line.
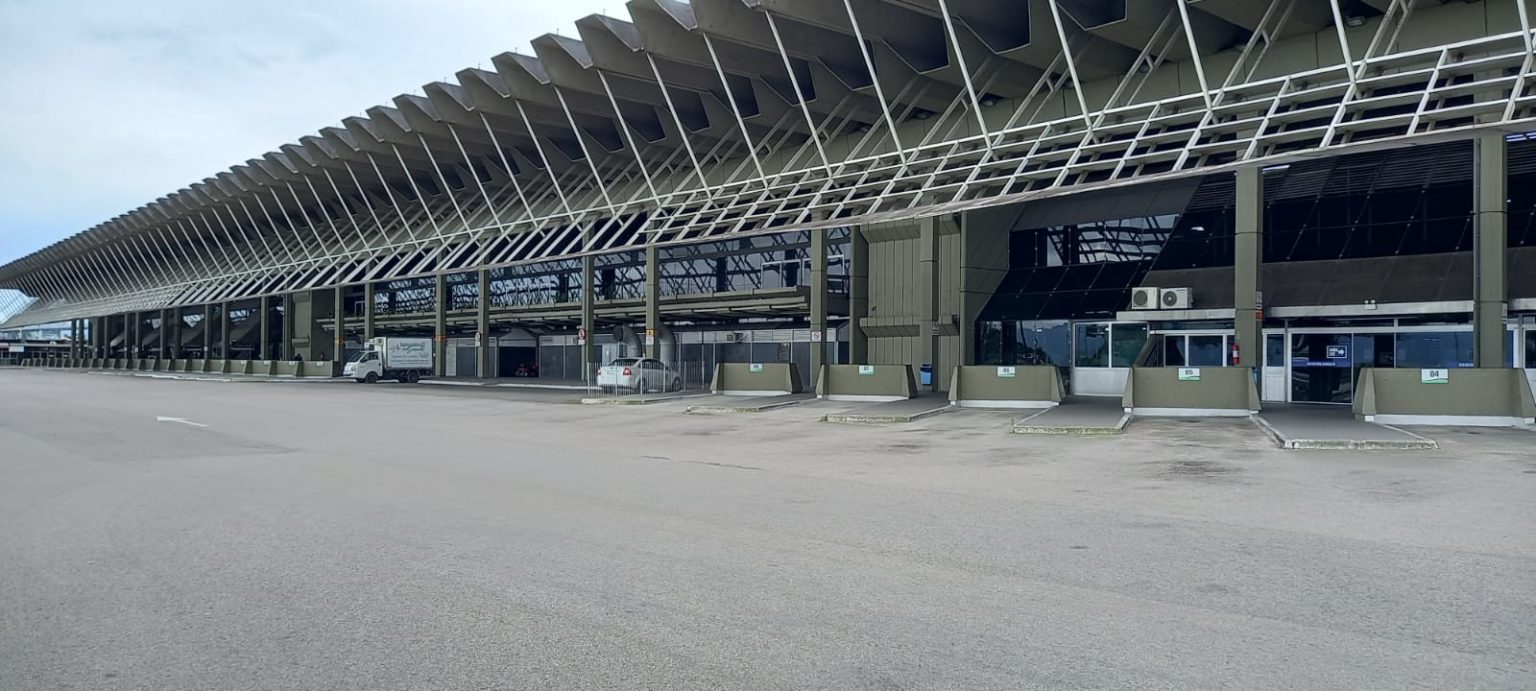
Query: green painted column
x=483, y=324
x=1248, y=264
x=265, y=325
x=928, y=299
x=207, y=332
x=1490, y=251
x=369, y=311
x=288, y=328
x=339, y=323
x=223, y=331
x=588, y=340
x=163, y=346
x=858, y=296
x=440, y=321
x=652, y=301
x=818, y=301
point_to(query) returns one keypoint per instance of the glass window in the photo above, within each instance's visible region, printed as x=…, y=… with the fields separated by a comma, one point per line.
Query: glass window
x=1430, y=349
x=989, y=343
x=1128, y=340
x=1092, y=345
x=1274, y=350
x=1530, y=348
x=1042, y=343
x=1207, y=351
x=1173, y=351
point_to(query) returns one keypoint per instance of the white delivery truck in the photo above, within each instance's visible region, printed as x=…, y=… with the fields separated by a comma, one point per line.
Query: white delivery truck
x=400, y=359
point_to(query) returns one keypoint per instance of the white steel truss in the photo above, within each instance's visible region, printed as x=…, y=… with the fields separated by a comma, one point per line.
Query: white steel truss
x=703, y=120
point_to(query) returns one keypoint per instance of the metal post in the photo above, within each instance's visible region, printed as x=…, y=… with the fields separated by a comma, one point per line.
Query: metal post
x=440, y=297
x=652, y=301
x=818, y=301
x=858, y=295
x=1490, y=256
x=369, y=311
x=1248, y=265
x=483, y=324
x=928, y=302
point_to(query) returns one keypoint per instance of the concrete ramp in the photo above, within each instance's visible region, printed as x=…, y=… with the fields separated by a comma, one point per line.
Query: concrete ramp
x=733, y=404
x=866, y=383
x=1472, y=397
x=1005, y=387
x=901, y=410
x=1080, y=416
x=1323, y=426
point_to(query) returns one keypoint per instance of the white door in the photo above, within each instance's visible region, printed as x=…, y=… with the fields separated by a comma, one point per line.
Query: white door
x=1275, y=380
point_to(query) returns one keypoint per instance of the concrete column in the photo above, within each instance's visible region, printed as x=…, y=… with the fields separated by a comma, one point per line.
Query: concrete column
x=652, y=301
x=163, y=347
x=1248, y=264
x=1490, y=255
x=440, y=337
x=818, y=301
x=983, y=265
x=339, y=317
x=176, y=324
x=858, y=296
x=928, y=298
x=589, y=352
x=483, y=323
x=368, y=311
x=207, y=332
x=223, y=331
x=265, y=325
x=288, y=327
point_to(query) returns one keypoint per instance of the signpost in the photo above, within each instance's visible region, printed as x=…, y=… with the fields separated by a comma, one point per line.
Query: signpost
x=755, y=368
x=1006, y=373
x=1434, y=376
x=867, y=370
x=1189, y=374
x=650, y=337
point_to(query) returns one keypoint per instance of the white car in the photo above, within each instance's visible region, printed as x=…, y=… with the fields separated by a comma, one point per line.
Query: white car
x=641, y=375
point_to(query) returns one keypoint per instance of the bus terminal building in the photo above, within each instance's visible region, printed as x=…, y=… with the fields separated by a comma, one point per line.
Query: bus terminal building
x=1321, y=201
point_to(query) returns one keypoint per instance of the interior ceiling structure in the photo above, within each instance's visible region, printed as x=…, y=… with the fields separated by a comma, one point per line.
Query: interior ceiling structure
x=692, y=121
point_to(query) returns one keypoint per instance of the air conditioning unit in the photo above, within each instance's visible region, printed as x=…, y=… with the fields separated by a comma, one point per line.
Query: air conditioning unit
x=735, y=337
x=1144, y=298
x=1174, y=299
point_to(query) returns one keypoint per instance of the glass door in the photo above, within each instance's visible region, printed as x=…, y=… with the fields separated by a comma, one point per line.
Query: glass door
x=1322, y=368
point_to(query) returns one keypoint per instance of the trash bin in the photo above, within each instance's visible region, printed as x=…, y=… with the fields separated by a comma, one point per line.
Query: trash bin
x=925, y=374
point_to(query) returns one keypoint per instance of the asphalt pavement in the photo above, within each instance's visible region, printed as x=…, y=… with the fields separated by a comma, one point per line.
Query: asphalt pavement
x=202, y=535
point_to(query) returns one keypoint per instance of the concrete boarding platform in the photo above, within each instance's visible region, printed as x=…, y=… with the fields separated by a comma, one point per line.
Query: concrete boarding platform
x=905, y=410
x=1077, y=416
x=729, y=405
x=1333, y=427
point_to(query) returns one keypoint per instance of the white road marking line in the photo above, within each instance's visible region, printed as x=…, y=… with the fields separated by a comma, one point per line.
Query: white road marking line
x=179, y=421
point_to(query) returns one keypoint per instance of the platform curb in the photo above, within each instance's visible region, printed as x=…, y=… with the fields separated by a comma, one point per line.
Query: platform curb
x=1417, y=443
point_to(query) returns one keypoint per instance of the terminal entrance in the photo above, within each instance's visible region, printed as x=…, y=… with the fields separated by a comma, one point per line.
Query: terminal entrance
x=1322, y=365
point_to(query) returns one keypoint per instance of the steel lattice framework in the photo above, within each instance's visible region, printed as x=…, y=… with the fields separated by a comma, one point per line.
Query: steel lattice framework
x=697, y=121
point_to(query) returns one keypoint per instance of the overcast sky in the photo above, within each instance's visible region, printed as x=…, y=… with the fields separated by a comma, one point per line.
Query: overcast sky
x=106, y=105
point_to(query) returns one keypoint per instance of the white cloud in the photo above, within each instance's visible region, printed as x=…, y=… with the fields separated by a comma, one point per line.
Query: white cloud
x=107, y=105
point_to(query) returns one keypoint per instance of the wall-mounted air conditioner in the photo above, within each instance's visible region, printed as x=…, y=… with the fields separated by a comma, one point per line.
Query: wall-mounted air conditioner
x=1174, y=299
x=1144, y=298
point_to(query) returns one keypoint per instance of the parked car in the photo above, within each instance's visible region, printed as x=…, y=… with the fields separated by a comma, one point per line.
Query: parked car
x=641, y=375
